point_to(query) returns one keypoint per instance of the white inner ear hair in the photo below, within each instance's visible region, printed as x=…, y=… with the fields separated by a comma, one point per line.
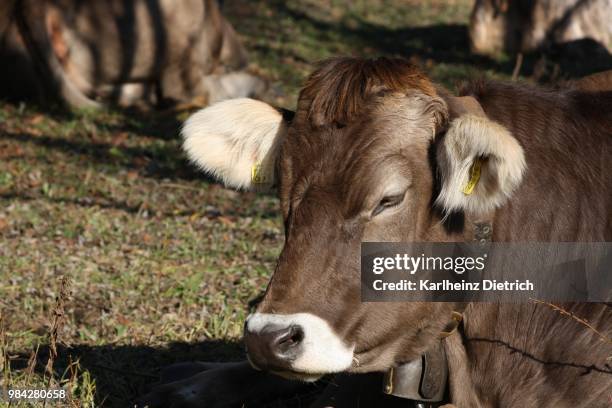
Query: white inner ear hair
x=234, y=140
x=468, y=138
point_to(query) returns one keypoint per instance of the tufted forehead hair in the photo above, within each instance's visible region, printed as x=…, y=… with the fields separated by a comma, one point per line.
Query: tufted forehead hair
x=338, y=89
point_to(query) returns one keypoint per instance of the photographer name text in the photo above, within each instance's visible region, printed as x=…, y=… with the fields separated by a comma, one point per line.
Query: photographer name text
x=448, y=285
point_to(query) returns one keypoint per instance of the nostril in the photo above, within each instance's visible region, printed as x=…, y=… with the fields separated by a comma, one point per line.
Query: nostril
x=295, y=334
x=274, y=346
x=289, y=338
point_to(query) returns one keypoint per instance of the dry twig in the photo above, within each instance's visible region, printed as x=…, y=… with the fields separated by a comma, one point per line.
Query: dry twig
x=576, y=318
x=57, y=323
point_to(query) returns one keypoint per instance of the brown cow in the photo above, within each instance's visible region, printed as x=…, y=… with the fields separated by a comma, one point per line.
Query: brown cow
x=377, y=152
x=135, y=52
x=519, y=25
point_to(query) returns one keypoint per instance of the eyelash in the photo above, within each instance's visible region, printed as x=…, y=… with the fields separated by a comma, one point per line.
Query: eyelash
x=388, y=202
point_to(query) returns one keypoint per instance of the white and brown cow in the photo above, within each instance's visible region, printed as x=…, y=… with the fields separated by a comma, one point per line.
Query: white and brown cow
x=133, y=52
x=376, y=152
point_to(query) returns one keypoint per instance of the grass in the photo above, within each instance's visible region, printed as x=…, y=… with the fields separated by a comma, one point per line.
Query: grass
x=118, y=255
x=156, y=254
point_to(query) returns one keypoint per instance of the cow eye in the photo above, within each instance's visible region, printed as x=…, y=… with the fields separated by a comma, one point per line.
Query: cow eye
x=388, y=202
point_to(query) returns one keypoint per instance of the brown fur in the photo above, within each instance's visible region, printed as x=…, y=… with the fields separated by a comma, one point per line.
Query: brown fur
x=339, y=89
x=599, y=82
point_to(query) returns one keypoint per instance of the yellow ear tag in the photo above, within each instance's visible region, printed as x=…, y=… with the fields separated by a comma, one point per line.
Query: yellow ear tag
x=257, y=174
x=474, y=177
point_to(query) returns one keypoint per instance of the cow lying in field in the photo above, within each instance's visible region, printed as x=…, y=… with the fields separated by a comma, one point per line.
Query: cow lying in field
x=376, y=152
x=518, y=26
x=135, y=52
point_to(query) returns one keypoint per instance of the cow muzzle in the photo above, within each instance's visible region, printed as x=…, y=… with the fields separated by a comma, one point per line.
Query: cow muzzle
x=298, y=345
x=274, y=347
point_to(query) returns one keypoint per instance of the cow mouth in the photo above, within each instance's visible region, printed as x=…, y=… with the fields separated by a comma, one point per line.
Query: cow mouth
x=288, y=374
x=356, y=367
x=299, y=376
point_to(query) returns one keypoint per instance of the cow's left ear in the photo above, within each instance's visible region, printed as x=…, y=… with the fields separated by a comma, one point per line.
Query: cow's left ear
x=237, y=141
x=480, y=161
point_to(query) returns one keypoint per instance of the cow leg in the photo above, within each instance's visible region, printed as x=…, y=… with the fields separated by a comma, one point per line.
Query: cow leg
x=129, y=94
x=228, y=384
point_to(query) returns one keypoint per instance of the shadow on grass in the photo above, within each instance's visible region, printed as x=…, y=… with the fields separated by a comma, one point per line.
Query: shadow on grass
x=447, y=43
x=152, y=123
x=107, y=202
x=123, y=373
x=160, y=161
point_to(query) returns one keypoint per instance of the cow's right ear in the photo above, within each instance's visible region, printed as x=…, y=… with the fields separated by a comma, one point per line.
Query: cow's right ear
x=237, y=141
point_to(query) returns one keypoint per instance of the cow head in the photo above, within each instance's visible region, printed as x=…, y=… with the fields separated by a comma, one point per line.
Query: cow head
x=373, y=153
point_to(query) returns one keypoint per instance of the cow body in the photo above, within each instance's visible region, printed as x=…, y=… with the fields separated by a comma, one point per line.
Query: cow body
x=527, y=355
x=133, y=52
x=564, y=196
x=376, y=152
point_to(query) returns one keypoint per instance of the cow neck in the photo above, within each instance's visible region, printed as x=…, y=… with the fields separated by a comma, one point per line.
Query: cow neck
x=426, y=379
x=480, y=232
